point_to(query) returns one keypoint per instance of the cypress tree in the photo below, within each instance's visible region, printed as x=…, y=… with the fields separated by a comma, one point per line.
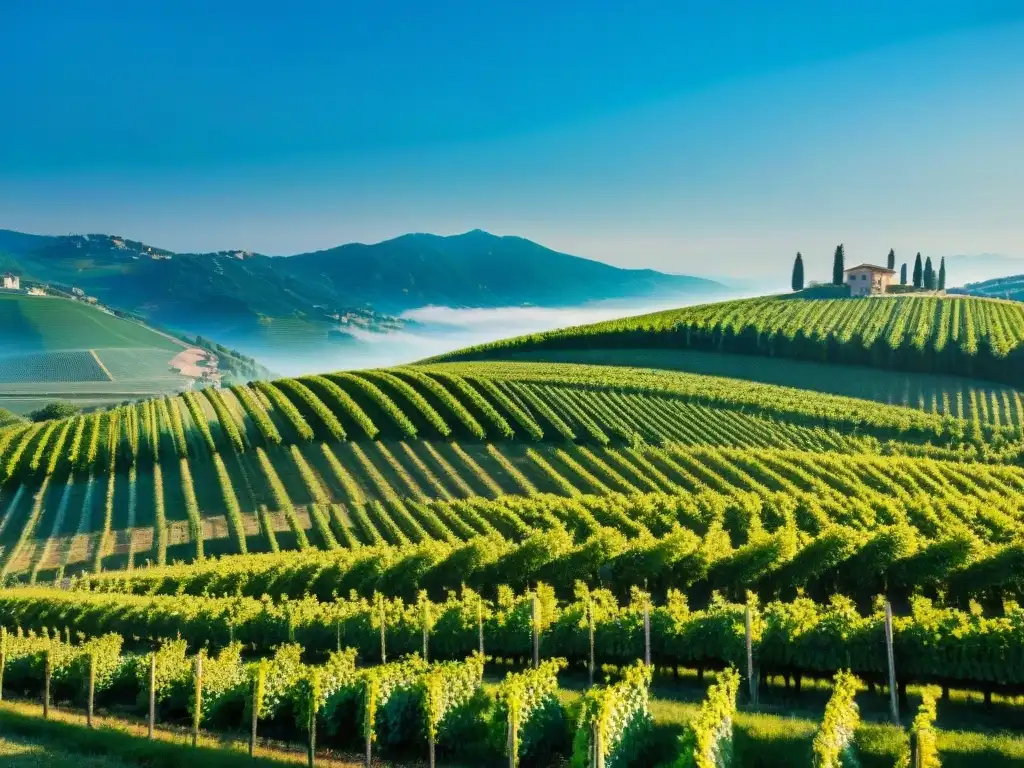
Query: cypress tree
x=892, y=259
x=929, y=275
x=903, y=274
x=798, y=273
x=837, y=265
x=918, y=272
x=942, y=274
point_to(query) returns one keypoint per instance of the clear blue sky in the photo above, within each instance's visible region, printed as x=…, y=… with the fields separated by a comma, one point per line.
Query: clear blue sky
x=692, y=136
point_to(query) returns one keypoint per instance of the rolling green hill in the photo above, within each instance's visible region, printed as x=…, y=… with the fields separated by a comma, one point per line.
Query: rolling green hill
x=961, y=336
x=55, y=348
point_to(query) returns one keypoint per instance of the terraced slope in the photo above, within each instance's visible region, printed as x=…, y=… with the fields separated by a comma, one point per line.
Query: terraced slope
x=963, y=335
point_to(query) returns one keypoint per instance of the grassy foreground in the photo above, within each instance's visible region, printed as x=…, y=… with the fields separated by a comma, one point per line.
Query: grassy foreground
x=29, y=741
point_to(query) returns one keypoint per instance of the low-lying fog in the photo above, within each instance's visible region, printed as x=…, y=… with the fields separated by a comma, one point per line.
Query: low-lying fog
x=434, y=330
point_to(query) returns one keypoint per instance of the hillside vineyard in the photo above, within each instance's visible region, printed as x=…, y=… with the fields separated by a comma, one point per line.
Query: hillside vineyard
x=344, y=536
x=966, y=336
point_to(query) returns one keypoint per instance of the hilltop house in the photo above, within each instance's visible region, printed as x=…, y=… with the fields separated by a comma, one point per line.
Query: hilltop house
x=10, y=282
x=869, y=279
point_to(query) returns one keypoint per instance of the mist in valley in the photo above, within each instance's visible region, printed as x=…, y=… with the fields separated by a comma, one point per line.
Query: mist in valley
x=434, y=330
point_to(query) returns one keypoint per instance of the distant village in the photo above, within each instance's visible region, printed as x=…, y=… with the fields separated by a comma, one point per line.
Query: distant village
x=11, y=282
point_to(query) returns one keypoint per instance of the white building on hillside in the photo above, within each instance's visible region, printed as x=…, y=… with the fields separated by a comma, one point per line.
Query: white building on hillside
x=10, y=282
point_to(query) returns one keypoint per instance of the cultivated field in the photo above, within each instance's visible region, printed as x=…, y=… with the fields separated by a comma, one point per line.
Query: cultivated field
x=59, y=349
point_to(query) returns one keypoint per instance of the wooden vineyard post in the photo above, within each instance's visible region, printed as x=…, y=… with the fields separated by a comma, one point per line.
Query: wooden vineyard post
x=47, y=670
x=255, y=722
x=198, y=701
x=751, y=674
x=3, y=658
x=92, y=690
x=152, y=693
x=647, y=631
x=257, y=702
x=383, y=641
x=535, y=616
x=513, y=733
x=590, y=629
x=368, y=725
x=371, y=688
x=480, y=622
x=425, y=618
x=338, y=632
x=311, y=752
x=894, y=708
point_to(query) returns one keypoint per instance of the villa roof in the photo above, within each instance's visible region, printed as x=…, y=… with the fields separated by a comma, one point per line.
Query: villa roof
x=872, y=267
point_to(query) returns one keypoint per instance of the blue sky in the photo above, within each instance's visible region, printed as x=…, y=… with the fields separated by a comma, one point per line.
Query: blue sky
x=710, y=138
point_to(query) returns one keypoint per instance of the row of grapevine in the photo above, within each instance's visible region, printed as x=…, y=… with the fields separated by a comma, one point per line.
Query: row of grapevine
x=344, y=404
x=410, y=704
x=415, y=400
x=730, y=542
x=281, y=500
x=442, y=396
x=942, y=646
x=255, y=411
x=380, y=400
x=199, y=420
x=289, y=413
x=301, y=393
x=226, y=420
x=349, y=706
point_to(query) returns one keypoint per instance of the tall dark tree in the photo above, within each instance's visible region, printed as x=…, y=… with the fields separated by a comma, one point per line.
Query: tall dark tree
x=892, y=259
x=929, y=275
x=942, y=274
x=918, y=272
x=837, y=265
x=798, y=273
x=903, y=274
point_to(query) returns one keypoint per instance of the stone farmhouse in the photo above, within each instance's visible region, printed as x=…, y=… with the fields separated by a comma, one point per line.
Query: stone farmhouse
x=869, y=279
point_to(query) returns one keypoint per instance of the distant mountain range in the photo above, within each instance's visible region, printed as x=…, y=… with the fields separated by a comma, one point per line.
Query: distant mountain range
x=350, y=285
